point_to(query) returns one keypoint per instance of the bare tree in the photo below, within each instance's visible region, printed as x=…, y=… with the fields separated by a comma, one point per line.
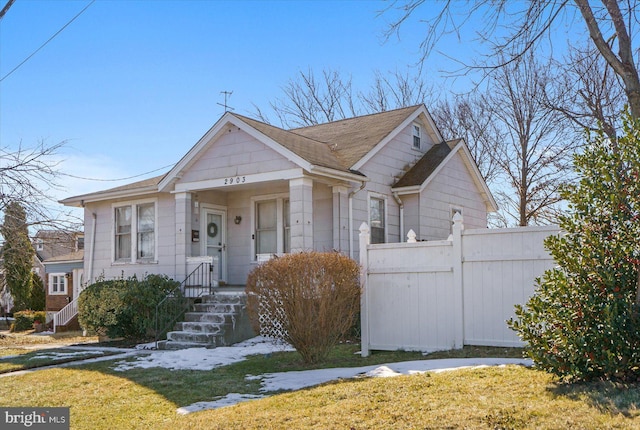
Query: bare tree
x=309, y=100
x=470, y=116
x=394, y=90
x=612, y=28
x=534, y=157
x=587, y=92
x=28, y=175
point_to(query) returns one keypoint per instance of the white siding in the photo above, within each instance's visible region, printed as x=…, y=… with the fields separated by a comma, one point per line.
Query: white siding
x=452, y=186
x=383, y=170
x=103, y=264
x=235, y=153
x=322, y=217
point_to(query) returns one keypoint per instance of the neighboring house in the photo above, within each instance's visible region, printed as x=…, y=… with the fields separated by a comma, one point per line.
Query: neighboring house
x=54, y=243
x=47, y=244
x=248, y=190
x=64, y=279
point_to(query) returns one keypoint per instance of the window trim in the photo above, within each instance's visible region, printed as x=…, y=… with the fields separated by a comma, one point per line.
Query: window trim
x=416, y=128
x=281, y=229
x=134, y=232
x=65, y=284
x=383, y=198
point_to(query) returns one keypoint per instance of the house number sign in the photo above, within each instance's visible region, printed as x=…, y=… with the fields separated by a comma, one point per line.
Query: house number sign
x=235, y=180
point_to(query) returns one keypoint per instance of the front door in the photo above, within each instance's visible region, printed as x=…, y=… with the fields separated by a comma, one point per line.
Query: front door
x=214, y=244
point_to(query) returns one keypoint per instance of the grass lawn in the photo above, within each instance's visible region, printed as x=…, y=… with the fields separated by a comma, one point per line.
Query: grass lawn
x=21, y=359
x=491, y=398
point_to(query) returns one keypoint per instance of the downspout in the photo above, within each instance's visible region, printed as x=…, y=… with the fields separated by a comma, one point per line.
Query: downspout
x=92, y=248
x=401, y=205
x=351, y=194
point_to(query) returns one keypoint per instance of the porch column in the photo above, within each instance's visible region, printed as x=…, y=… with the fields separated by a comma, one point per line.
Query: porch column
x=301, y=214
x=183, y=234
x=341, y=218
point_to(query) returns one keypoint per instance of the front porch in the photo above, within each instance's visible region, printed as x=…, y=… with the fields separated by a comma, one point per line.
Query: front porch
x=240, y=223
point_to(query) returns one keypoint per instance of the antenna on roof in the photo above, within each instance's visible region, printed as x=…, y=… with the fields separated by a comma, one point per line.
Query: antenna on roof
x=227, y=96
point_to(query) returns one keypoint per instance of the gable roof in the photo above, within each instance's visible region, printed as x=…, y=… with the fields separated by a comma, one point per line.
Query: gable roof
x=335, y=149
x=421, y=173
x=353, y=138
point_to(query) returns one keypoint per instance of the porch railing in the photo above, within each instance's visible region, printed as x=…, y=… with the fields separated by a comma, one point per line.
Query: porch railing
x=173, y=307
x=66, y=314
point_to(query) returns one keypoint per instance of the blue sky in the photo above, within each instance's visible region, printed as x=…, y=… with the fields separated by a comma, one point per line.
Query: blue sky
x=132, y=85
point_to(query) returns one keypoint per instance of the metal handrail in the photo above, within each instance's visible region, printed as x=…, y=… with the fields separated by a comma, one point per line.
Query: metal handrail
x=178, y=301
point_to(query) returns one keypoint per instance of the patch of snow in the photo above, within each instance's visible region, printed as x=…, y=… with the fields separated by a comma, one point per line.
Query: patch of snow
x=228, y=400
x=62, y=355
x=145, y=346
x=204, y=358
x=297, y=380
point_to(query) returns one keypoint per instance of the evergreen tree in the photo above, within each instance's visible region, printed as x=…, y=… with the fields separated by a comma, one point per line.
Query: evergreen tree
x=18, y=255
x=583, y=320
x=38, y=295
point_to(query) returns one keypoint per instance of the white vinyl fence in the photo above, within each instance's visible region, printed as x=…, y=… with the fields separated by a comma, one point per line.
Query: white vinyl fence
x=436, y=295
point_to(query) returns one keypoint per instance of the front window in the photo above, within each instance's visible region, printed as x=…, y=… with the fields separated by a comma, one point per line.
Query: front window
x=377, y=219
x=57, y=283
x=272, y=227
x=123, y=233
x=135, y=232
x=146, y=231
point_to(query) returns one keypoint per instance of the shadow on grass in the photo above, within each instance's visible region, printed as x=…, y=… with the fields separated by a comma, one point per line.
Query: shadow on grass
x=606, y=396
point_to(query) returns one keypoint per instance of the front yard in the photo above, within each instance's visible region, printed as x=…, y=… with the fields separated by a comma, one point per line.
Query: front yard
x=495, y=397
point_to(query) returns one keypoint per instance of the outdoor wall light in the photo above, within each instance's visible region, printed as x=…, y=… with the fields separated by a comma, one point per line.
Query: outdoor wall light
x=238, y=219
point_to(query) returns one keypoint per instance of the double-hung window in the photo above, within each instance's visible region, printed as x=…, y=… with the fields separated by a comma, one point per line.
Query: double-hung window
x=57, y=283
x=135, y=232
x=272, y=227
x=416, y=136
x=377, y=219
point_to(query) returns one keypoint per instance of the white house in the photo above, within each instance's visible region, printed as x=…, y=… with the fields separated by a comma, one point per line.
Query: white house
x=247, y=190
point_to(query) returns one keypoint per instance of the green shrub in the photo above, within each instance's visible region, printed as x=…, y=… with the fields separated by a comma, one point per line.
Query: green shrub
x=309, y=300
x=123, y=307
x=24, y=320
x=583, y=321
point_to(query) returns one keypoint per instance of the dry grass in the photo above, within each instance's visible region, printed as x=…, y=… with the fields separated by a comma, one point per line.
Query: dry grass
x=491, y=398
x=34, y=340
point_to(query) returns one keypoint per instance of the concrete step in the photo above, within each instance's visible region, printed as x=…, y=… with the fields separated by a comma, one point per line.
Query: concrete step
x=218, y=308
x=225, y=298
x=173, y=345
x=200, y=327
x=208, y=317
x=212, y=339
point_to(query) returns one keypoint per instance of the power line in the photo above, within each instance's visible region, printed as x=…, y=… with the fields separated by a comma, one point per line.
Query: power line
x=45, y=43
x=115, y=180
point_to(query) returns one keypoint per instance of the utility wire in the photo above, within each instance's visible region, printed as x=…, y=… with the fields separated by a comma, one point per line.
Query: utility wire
x=45, y=43
x=114, y=180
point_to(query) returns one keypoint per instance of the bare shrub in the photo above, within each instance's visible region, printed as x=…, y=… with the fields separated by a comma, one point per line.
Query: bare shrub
x=308, y=299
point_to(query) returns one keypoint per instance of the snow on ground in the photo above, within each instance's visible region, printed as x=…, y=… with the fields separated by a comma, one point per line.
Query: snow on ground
x=208, y=359
x=203, y=358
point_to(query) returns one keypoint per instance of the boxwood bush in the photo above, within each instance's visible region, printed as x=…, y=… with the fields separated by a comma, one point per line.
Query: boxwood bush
x=308, y=299
x=123, y=307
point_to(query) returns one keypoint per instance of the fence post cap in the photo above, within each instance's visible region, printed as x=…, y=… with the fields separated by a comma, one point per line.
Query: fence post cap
x=364, y=227
x=411, y=236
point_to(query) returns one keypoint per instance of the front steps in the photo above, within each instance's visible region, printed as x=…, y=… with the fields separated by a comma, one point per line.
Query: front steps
x=220, y=319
